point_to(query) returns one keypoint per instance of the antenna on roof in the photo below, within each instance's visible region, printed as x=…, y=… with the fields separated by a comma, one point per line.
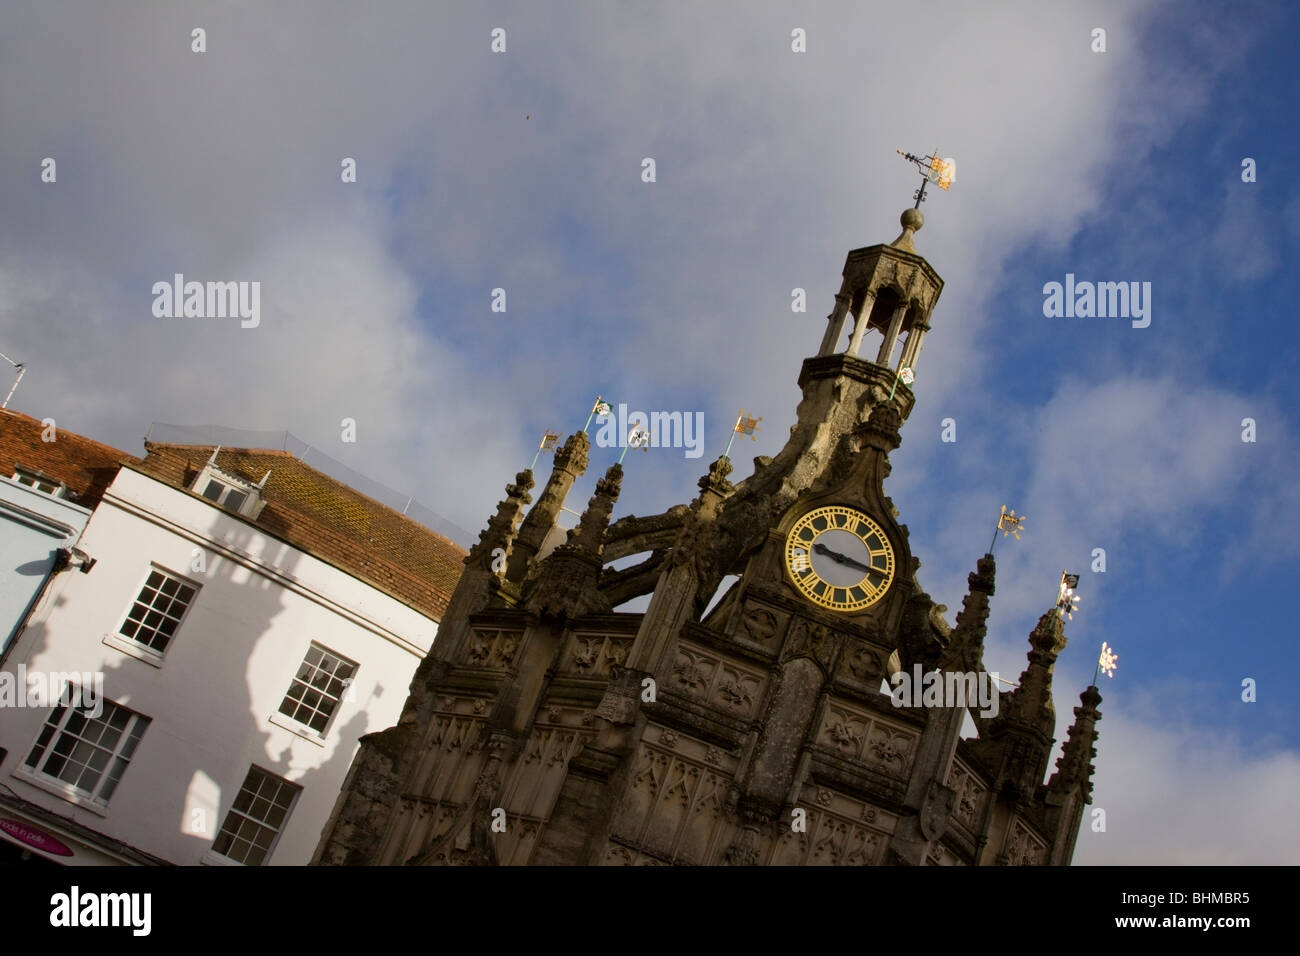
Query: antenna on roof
x=21, y=371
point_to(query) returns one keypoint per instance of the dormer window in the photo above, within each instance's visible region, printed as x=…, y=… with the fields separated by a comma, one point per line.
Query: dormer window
x=41, y=482
x=229, y=491
x=227, y=496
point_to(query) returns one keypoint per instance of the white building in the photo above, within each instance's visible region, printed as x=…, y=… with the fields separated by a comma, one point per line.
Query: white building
x=251, y=618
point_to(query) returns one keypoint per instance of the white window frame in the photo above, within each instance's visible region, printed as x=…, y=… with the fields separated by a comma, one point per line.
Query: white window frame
x=39, y=481
x=131, y=644
x=345, y=694
x=250, y=507
x=123, y=751
x=245, y=815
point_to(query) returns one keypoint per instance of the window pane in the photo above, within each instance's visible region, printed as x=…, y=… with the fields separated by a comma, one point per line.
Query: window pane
x=213, y=490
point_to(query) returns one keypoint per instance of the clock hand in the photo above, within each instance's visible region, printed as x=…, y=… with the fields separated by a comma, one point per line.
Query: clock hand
x=861, y=567
x=833, y=555
x=844, y=559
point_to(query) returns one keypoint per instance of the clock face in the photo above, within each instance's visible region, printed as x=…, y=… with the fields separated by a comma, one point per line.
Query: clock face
x=839, y=558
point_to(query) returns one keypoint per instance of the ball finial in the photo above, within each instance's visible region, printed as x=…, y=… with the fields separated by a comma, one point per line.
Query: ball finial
x=911, y=220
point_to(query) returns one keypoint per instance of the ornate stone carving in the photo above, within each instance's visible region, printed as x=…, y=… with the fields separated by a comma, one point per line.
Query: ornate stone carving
x=936, y=810
x=491, y=647
x=759, y=625
x=724, y=683
x=855, y=734
x=595, y=654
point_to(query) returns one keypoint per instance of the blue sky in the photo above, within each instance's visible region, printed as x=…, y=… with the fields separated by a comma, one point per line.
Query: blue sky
x=522, y=171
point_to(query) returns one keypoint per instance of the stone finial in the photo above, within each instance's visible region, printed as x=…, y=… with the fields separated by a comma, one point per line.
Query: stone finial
x=911, y=220
x=501, y=526
x=965, y=650
x=590, y=532
x=1074, y=767
x=716, y=479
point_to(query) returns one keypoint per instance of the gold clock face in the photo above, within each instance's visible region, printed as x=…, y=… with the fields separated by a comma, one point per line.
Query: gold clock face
x=839, y=558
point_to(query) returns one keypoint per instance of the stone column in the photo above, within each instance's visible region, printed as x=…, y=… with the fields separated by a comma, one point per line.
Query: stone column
x=891, y=336
x=860, y=329
x=835, y=324
x=912, y=347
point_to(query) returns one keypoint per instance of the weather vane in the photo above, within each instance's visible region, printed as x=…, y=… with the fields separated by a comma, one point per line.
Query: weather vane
x=941, y=172
x=547, y=443
x=1009, y=523
x=1105, y=663
x=1067, y=602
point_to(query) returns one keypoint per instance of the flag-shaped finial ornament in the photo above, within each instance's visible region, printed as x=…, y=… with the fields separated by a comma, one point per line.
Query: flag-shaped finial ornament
x=639, y=437
x=747, y=426
x=1067, y=602
x=1009, y=523
x=1106, y=663
x=744, y=426
x=942, y=172
x=935, y=169
x=546, y=444
x=601, y=408
x=903, y=375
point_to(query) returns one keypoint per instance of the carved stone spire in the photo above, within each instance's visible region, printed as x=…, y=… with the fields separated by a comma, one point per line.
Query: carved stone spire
x=477, y=582
x=678, y=594
x=500, y=528
x=1021, y=734
x=965, y=650
x=590, y=531
x=570, y=464
x=1074, y=767
x=567, y=584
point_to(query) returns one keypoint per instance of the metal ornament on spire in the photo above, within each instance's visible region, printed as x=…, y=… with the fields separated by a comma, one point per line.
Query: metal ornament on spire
x=601, y=408
x=638, y=438
x=1009, y=524
x=548, y=442
x=743, y=426
x=1067, y=602
x=934, y=169
x=1105, y=663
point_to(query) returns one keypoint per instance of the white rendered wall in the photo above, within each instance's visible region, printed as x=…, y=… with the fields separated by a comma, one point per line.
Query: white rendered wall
x=260, y=605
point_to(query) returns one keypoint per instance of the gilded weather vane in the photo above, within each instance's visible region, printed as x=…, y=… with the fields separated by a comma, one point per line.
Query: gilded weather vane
x=934, y=169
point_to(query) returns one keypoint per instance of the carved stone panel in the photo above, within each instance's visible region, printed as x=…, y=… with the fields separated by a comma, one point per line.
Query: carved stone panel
x=832, y=838
x=857, y=735
x=864, y=662
x=732, y=687
x=968, y=807
x=592, y=654
x=491, y=647
x=1024, y=847
x=675, y=809
x=761, y=625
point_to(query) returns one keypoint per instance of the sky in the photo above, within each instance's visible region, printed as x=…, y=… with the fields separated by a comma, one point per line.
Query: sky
x=523, y=170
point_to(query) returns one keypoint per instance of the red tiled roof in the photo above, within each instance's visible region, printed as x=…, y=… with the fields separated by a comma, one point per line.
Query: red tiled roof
x=329, y=520
x=84, y=465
